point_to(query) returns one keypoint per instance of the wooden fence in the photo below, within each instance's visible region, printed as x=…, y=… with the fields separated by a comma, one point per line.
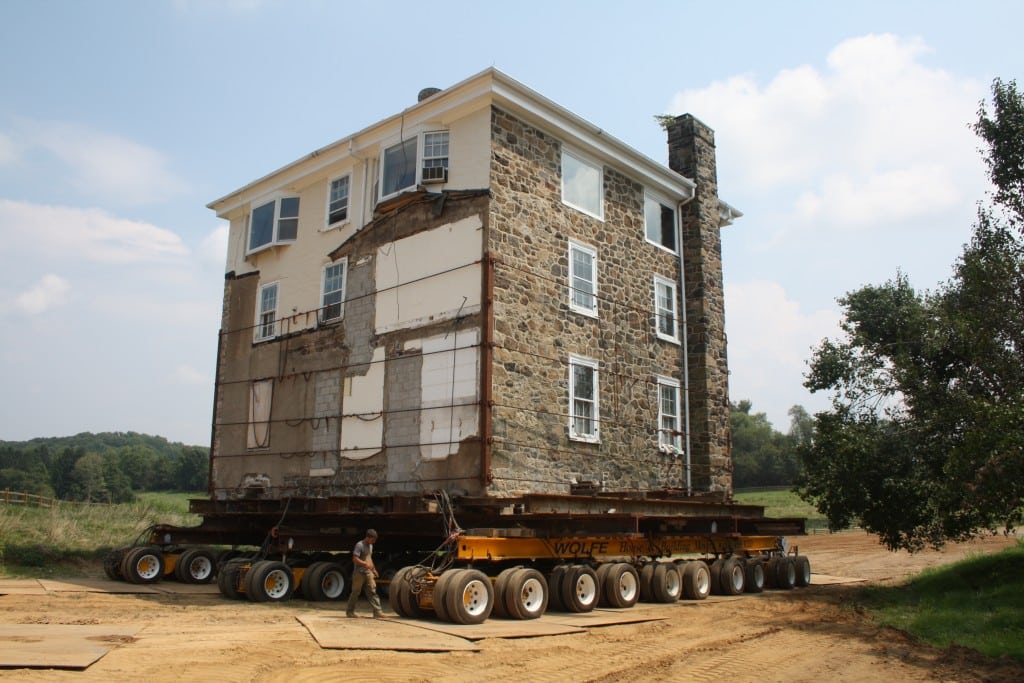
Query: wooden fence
x=9, y=497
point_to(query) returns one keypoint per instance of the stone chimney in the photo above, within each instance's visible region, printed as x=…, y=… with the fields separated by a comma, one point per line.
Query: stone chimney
x=691, y=152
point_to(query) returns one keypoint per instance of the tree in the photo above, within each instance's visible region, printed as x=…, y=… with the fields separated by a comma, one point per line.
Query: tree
x=761, y=456
x=925, y=440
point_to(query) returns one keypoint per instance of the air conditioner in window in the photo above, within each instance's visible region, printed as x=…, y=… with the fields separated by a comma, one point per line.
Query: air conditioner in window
x=435, y=174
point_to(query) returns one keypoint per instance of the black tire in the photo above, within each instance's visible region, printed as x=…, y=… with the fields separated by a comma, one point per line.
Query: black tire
x=803, y=571
x=324, y=582
x=269, y=581
x=144, y=564
x=196, y=565
x=580, y=591
x=229, y=580
x=785, y=573
x=555, y=602
x=499, y=592
x=647, y=581
x=716, y=576
x=696, y=580
x=395, y=591
x=112, y=563
x=771, y=570
x=441, y=594
x=666, y=583
x=732, y=576
x=526, y=594
x=621, y=586
x=407, y=596
x=755, y=576
x=602, y=572
x=469, y=597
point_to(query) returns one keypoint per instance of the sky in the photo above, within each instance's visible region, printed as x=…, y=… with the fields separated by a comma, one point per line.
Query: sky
x=842, y=134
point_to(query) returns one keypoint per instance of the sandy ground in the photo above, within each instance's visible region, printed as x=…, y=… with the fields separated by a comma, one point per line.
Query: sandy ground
x=802, y=635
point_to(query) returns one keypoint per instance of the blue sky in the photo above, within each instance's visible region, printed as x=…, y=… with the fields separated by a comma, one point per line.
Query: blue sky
x=842, y=133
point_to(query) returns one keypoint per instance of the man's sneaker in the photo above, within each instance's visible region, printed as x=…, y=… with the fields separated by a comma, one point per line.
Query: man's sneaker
x=380, y=615
x=350, y=615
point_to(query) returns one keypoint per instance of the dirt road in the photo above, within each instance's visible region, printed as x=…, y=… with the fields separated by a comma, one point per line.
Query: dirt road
x=802, y=635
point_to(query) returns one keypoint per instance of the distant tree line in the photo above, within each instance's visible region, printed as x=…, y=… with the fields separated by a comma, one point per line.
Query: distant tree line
x=108, y=467
x=762, y=456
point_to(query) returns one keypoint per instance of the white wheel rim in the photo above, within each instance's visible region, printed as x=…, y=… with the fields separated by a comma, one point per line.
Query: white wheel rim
x=147, y=566
x=758, y=575
x=586, y=589
x=673, y=584
x=474, y=598
x=200, y=568
x=333, y=584
x=276, y=584
x=532, y=596
x=628, y=585
x=703, y=581
x=737, y=578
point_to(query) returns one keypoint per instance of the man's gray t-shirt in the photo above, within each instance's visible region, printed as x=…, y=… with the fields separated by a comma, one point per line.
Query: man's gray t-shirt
x=364, y=551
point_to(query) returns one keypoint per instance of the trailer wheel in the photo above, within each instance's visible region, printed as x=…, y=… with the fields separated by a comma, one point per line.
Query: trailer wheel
x=229, y=579
x=395, y=591
x=469, y=597
x=323, y=582
x=144, y=564
x=803, y=571
x=647, y=582
x=696, y=580
x=666, y=583
x=771, y=571
x=500, y=587
x=732, y=577
x=716, y=576
x=621, y=585
x=269, y=581
x=785, y=573
x=441, y=594
x=755, y=576
x=407, y=597
x=112, y=563
x=579, y=588
x=555, y=578
x=197, y=565
x=526, y=594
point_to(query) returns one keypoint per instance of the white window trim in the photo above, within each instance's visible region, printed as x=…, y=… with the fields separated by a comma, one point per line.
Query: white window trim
x=348, y=211
x=575, y=360
x=676, y=446
x=675, y=212
x=664, y=281
x=583, y=159
x=275, y=240
x=394, y=141
x=573, y=306
x=323, y=291
x=258, y=331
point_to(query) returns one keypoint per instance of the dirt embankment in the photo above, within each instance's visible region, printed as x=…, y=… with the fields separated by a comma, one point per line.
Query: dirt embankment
x=803, y=635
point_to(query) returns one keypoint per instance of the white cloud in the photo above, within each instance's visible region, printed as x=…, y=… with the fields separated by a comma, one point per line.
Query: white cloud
x=50, y=292
x=770, y=338
x=214, y=247
x=105, y=167
x=875, y=135
x=186, y=374
x=8, y=152
x=89, y=234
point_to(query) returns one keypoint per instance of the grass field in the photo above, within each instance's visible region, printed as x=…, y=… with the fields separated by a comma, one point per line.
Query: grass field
x=780, y=504
x=71, y=539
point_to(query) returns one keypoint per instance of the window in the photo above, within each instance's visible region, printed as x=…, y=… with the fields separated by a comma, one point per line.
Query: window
x=660, y=222
x=399, y=167
x=337, y=203
x=274, y=222
x=582, y=279
x=583, y=407
x=582, y=184
x=261, y=394
x=435, y=157
x=333, y=301
x=665, y=309
x=266, y=315
x=669, y=437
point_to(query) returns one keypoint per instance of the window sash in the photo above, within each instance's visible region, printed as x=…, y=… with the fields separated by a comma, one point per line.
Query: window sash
x=582, y=185
x=337, y=205
x=266, y=324
x=665, y=309
x=583, y=400
x=668, y=415
x=274, y=222
x=659, y=223
x=333, y=299
x=582, y=279
x=399, y=167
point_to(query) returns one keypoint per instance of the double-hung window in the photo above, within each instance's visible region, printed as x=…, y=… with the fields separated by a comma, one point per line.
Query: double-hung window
x=584, y=415
x=333, y=301
x=669, y=437
x=337, y=202
x=274, y=222
x=582, y=279
x=659, y=222
x=403, y=165
x=266, y=312
x=582, y=184
x=666, y=324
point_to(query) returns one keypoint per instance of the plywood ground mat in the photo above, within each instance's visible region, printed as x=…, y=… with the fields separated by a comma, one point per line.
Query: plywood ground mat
x=826, y=580
x=333, y=632
x=123, y=587
x=59, y=646
x=21, y=587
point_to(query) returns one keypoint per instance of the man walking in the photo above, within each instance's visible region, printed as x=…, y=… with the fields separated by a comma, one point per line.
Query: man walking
x=364, y=575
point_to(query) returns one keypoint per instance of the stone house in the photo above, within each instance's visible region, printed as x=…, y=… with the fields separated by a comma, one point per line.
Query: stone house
x=483, y=294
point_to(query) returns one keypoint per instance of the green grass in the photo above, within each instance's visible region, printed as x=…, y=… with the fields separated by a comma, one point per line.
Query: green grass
x=976, y=603
x=779, y=504
x=71, y=540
